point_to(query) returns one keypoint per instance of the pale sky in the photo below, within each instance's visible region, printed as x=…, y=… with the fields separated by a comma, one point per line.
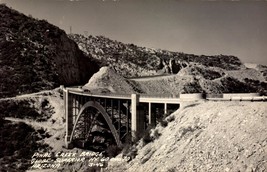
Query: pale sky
x=197, y=27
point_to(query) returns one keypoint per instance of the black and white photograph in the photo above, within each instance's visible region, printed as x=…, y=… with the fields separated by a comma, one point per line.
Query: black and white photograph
x=133, y=85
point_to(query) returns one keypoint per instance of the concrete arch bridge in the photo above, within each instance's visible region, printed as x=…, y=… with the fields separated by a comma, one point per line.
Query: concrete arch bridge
x=116, y=116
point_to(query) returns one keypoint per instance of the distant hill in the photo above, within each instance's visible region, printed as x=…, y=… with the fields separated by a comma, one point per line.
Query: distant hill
x=190, y=73
x=36, y=55
x=130, y=60
x=191, y=79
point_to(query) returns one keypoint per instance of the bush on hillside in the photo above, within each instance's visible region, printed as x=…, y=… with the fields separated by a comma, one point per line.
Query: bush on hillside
x=232, y=85
x=18, y=142
x=35, y=54
x=132, y=60
x=24, y=109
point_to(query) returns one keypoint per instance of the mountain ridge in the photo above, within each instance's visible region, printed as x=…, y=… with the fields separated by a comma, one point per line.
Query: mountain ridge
x=191, y=73
x=146, y=61
x=36, y=55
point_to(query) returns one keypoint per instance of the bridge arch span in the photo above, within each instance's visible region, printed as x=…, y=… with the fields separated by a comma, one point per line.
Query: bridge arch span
x=101, y=109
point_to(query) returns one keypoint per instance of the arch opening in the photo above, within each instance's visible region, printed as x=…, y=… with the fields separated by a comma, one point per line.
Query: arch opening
x=93, y=125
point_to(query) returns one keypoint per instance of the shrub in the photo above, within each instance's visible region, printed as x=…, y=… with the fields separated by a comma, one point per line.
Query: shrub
x=44, y=103
x=18, y=145
x=113, y=150
x=129, y=151
x=156, y=134
x=147, y=138
x=170, y=118
x=163, y=123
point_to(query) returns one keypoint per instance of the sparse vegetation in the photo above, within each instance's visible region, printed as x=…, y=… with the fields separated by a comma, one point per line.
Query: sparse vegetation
x=113, y=150
x=18, y=142
x=42, y=52
x=236, y=86
x=170, y=118
x=155, y=134
x=162, y=119
x=26, y=109
x=129, y=148
x=32, y=54
x=130, y=60
x=146, y=137
x=206, y=73
x=259, y=87
x=163, y=123
x=149, y=135
x=129, y=151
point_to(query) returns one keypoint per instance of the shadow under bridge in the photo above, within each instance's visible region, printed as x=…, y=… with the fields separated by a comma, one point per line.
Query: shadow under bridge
x=94, y=122
x=98, y=121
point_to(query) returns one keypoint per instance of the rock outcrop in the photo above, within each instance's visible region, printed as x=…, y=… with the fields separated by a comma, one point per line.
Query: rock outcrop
x=106, y=80
x=191, y=79
x=206, y=136
x=131, y=61
x=36, y=55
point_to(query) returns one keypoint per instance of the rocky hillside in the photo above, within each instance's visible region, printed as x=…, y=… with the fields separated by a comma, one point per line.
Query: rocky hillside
x=106, y=80
x=29, y=124
x=130, y=60
x=36, y=55
x=204, y=136
x=191, y=79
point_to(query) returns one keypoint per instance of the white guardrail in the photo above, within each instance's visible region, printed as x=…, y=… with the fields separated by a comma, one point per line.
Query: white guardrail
x=172, y=98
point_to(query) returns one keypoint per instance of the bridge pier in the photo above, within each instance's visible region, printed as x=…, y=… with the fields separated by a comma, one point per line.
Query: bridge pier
x=137, y=118
x=69, y=118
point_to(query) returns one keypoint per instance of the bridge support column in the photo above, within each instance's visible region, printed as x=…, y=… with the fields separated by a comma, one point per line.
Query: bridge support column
x=69, y=118
x=165, y=108
x=137, y=115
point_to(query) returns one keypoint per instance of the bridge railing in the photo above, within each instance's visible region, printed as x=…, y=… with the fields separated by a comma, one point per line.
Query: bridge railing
x=236, y=96
x=112, y=95
x=105, y=95
x=160, y=95
x=217, y=97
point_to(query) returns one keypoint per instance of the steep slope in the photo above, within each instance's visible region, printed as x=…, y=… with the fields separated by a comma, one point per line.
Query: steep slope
x=106, y=80
x=130, y=60
x=36, y=55
x=263, y=70
x=206, y=136
x=210, y=74
x=191, y=79
x=30, y=123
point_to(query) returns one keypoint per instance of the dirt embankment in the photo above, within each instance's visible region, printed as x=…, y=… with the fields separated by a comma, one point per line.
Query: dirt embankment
x=207, y=136
x=30, y=123
x=192, y=79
